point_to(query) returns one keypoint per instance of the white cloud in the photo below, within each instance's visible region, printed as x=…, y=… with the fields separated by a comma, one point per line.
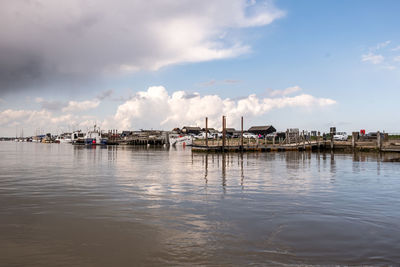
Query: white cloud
x=373, y=58
x=85, y=37
x=30, y=120
x=287, y=91
x=156, y=108
x=382, y=45
x=76, y=106
x=397, y=58
x=397, y=48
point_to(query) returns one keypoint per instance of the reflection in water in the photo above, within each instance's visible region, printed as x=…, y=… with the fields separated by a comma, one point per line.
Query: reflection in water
x=241, y=171
x=223, y=175
x=227, y=160
x=123, y=206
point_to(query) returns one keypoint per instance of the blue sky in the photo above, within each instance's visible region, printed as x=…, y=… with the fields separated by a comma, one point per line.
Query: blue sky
x=341, y=51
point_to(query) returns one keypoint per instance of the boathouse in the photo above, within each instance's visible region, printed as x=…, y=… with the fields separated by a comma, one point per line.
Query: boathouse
x=263, y=130
x=191, y=130
x=210, y=130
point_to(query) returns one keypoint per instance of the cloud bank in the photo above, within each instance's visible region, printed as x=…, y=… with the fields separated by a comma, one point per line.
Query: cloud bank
x=156, y=108
x=42, y=41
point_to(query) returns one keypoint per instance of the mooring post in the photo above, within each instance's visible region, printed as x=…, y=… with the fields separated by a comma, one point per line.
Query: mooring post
x=353, y=140
x=304, y=141
x=241, y=136
x=378, y=140
x=207, y=132
x=223, y=133
x=287, y=136
x=331, y=141
x=318, y=139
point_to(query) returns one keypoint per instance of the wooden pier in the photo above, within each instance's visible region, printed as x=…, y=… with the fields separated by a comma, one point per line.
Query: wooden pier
x=324, y=145
x=294, y=141
x=252, y=145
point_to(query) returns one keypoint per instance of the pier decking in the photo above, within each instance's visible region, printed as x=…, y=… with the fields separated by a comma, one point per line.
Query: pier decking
x=261, y=145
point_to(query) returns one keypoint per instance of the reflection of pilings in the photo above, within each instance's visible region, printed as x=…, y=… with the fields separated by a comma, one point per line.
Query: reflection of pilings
x=333, y=167
x=356, y=157
x=206, y=169
x=241, y=171
x=112, y=153
x=224, y=172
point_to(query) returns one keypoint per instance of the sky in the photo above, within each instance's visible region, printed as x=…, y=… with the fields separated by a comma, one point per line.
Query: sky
x=161, y=64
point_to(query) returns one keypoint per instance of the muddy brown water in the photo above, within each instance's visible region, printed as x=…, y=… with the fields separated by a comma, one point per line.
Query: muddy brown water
x=64, y=205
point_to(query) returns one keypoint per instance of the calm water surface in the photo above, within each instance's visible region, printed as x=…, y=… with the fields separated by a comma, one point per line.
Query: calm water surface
x=64, y=205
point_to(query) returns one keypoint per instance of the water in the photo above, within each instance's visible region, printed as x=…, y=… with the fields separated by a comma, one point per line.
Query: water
x=64, y=205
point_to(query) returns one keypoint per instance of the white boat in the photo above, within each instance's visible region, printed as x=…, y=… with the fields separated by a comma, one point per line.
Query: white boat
x=94, y=137
x=176, y=139
x=64, y=138
x=78, y=137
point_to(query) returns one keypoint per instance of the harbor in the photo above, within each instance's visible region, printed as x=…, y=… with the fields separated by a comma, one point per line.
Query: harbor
x=256, y=138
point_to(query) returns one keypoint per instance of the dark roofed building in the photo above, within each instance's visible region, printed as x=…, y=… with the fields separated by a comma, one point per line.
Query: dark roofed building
x=210, y=130
x=176, y=130
x=263, y=130
x=191, y=130
x=230, y=130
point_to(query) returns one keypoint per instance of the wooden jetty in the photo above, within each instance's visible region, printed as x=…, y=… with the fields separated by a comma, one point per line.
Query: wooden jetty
x=247, y=145
x=293, y=141
x=146, y=138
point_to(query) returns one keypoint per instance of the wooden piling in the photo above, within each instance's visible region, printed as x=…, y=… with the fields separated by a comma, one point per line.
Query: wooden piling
x=287, y=137
x=241, y=136
x=354, y=139
x=379, y=141
x=207, y=132
x=223, y=133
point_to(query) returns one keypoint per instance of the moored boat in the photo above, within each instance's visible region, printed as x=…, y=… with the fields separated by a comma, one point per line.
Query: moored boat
x=94, y=137
x=177, y=139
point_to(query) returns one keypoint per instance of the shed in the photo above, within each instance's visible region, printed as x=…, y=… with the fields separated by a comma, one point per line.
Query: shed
x=263, y=130
x=230, y=130
x=191, y=130
x=210, y=130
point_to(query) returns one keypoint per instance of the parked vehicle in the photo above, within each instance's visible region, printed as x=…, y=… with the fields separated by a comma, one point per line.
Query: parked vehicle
x=203, y=135
x=340, y=136
x=249, y=135
x=218, y=135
